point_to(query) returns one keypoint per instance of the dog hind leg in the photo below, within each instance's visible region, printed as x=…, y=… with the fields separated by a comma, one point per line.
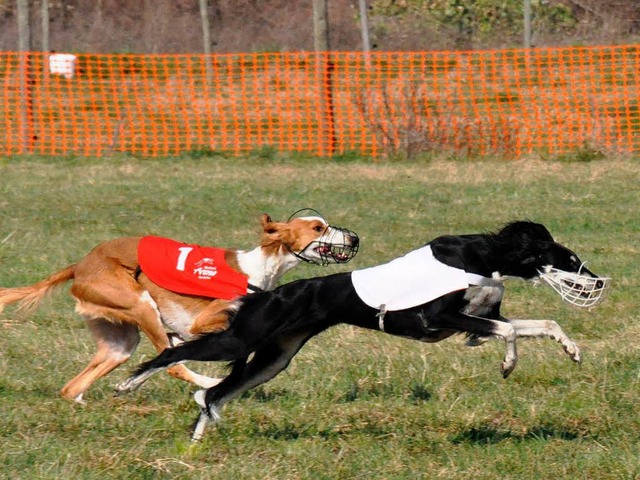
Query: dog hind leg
x=213, y=318
x=211, y=348
x=116, y=342
x=268, y=361
x=114, y=295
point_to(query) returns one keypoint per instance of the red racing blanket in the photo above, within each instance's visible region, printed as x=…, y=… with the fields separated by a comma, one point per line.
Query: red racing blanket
x=190, y=269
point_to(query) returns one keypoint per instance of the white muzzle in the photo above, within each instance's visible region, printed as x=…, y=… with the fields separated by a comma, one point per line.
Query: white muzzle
x=580, y=290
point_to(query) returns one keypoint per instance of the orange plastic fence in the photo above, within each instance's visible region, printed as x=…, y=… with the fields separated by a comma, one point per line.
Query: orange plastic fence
x=509, y=102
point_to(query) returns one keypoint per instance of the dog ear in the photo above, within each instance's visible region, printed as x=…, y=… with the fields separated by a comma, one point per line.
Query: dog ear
x=276, y=234
x=268, y=226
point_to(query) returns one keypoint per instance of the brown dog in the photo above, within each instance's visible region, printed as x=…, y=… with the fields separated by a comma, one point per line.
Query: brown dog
x=117, y=299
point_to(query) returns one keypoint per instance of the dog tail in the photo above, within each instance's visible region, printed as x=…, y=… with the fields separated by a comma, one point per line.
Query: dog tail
x=29, y=297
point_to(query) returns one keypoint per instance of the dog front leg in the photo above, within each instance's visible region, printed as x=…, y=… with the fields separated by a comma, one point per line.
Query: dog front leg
x=507, y=332
x=482, y=327
x=547, y=329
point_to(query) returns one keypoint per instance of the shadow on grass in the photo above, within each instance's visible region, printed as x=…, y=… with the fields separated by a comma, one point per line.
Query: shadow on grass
x=490, y=435
x=262, y=395
x=418, y=393
x=289, y=430
x=292, y=431
x=474, y=436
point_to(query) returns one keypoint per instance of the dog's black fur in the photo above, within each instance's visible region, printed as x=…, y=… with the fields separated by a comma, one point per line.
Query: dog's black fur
x=275, y=325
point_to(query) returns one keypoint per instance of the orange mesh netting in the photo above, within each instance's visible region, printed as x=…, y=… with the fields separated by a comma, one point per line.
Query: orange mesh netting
x=507, y=102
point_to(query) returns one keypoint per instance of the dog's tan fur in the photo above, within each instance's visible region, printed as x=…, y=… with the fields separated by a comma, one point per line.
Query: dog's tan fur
x=116, y=305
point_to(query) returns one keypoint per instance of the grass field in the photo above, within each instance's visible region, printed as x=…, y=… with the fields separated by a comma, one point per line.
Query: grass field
x=353, y=404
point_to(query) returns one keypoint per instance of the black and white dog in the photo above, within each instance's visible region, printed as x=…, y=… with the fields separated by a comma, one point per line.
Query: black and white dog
x=453, y=284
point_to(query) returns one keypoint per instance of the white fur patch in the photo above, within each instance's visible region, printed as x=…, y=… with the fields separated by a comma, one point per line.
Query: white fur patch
x=199, y=398
x=482, y=299
x=147, y=298
x=264, y=271
x=177, y=319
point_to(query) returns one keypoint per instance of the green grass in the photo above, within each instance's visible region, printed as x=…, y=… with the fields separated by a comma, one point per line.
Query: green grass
x=353, y=404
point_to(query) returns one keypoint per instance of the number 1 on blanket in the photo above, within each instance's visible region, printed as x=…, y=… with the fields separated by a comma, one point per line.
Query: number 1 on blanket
x=182, y=259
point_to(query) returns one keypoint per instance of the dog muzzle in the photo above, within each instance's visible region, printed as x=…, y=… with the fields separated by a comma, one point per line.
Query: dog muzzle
x=339, y=246
x=579, y=290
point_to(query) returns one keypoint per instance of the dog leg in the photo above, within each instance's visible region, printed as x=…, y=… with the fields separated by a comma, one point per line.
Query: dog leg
x=116, y=342
x=134, y=382
x=109, y=299
x=152, y=326
x=507, y=332
x=223, y=346
x=267, y=362
x=213, y=318
x=206, y=415
x=547, y=329
x=482, y=327
x=200, y=426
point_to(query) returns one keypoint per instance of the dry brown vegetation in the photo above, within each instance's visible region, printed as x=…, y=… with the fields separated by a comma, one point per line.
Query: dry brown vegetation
x=171, y=26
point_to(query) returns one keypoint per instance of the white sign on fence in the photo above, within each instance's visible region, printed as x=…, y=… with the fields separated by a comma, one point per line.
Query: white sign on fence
x=63, y=64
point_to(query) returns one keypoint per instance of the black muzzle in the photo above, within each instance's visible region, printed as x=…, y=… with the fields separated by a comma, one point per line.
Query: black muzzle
x=339, y=247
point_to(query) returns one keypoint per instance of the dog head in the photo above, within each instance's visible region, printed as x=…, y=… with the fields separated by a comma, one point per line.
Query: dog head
x=535, y=255
x=563, y=271
x=311, y=239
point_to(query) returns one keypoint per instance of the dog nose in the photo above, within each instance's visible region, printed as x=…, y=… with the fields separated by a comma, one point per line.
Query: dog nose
x=354, y=240
x=599, y=284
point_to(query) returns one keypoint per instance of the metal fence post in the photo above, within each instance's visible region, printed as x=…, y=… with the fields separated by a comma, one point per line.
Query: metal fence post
x=26, y=78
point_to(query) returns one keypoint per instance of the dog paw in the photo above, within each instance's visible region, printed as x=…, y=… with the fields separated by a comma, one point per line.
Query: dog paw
x=203, y=381
x=575, y=355
x=199, y=427
x=506, y=367
x=124, y=387
x=573, y=351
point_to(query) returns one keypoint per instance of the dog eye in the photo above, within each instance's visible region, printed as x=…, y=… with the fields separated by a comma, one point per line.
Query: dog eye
x=319, y=228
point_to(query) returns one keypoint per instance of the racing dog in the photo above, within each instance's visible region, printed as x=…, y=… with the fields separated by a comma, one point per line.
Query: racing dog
x=122, y=287
x=453, y=284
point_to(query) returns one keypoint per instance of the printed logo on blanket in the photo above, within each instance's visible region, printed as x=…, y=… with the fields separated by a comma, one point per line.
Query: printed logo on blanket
x=190, y=269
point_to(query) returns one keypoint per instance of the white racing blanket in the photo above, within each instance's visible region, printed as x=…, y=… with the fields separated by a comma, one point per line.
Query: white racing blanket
x=412, y=280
